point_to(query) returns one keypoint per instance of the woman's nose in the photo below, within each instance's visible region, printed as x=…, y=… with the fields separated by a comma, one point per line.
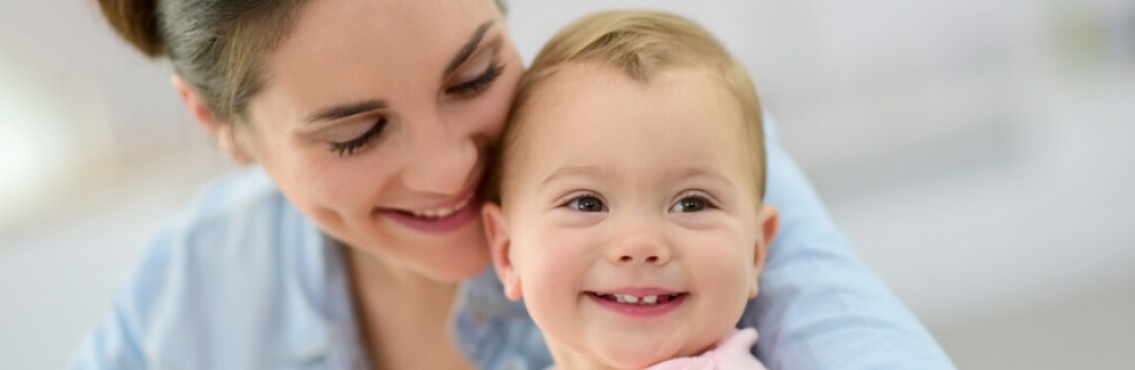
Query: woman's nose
x=440, y=163
x=639, y=249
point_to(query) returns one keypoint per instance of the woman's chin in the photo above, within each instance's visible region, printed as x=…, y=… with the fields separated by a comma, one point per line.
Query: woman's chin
x=465, y=257
x=450, y=256
x=458, y=270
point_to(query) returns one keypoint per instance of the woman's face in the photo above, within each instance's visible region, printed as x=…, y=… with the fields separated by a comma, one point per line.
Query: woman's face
x=375, y=121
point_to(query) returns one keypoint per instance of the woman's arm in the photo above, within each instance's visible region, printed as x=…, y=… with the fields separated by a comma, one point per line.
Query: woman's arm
x=819, y=306
x=119, y=341
x=114, y=344
x=239, y=279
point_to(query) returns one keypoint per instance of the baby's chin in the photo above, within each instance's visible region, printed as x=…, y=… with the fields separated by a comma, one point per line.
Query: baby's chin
x=639, y=355
x=615, y=346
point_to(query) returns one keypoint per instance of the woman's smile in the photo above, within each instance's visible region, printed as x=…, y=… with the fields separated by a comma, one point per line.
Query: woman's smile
x=440, y=217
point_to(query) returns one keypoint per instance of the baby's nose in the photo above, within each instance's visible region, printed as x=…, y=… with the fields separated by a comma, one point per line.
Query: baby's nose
x=640, y=250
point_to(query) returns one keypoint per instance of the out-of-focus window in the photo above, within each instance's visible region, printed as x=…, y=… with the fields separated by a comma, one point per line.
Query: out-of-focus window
x=51, y=131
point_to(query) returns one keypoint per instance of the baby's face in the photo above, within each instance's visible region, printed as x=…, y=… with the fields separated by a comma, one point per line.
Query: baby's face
x=630, y=226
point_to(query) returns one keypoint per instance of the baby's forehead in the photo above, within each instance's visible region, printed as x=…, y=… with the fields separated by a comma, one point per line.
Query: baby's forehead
x=576, y=73
x=576, y=87
x=578, y=94
x=568, y=82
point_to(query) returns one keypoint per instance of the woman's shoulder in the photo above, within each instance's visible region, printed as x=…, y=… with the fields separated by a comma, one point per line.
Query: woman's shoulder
x=235, y=224
x=231, y=195
x=239, y=274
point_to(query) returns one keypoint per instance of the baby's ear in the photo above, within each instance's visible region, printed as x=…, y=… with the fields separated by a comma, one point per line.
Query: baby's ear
x=766, y=228
x=496, y=229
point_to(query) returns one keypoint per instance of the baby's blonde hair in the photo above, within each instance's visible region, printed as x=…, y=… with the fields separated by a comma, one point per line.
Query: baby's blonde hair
x=640, y=44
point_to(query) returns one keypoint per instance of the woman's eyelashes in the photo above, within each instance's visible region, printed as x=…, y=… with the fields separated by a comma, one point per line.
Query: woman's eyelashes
x=462, y=90
x=366, y=138
x=478, y=84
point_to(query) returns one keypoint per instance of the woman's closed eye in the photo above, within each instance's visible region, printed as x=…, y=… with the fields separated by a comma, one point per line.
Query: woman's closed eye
x=349, y=147
x=477, y=84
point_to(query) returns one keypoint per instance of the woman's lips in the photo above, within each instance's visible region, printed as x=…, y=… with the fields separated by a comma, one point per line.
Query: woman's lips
x=442, y=212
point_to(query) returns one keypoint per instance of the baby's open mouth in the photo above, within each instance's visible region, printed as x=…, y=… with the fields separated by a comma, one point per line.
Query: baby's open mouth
x=644, y=300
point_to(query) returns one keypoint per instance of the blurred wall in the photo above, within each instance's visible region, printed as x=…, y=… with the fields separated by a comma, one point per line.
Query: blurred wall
x=978, y=154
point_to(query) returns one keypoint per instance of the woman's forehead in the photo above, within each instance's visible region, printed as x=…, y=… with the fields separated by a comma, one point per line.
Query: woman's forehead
x=342, y=50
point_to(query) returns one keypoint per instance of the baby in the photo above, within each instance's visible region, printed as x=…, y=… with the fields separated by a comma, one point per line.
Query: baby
x=627, y=196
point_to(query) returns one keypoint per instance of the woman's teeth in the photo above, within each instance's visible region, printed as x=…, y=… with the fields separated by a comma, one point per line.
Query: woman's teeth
x=442, y=212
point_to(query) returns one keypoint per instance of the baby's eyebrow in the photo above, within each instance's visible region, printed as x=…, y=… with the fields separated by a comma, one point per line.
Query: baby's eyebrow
x=570, y=171
x=676, y=174
x=700, y=172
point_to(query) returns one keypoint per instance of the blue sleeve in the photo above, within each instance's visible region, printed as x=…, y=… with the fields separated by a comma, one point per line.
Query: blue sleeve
x=113, y=345
x=118, y=341
x=819, y=306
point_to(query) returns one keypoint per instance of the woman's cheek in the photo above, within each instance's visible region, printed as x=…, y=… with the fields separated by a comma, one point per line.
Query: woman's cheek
x=345, y=184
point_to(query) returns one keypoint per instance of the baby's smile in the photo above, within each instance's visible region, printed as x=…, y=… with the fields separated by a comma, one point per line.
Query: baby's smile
x=632, y=299
x=639, y=302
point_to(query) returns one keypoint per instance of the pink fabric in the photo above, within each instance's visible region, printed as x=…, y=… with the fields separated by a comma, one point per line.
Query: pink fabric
x=731, y=353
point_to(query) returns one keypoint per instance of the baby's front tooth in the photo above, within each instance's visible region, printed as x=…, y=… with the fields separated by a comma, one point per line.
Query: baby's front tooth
x=631, y=298
x=650, y=299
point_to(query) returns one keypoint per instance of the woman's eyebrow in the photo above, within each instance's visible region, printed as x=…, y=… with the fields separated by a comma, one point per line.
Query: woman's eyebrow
x=468, y=48
x=350, y=109
x=344, y=110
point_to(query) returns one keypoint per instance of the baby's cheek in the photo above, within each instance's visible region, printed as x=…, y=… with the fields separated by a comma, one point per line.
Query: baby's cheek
x=724, y=269
x=552, y=272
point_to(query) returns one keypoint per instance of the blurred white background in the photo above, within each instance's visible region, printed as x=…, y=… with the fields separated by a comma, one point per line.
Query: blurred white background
x=979, y=154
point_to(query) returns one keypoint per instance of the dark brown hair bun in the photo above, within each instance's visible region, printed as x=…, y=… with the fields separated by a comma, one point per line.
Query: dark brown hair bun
x=137, y=22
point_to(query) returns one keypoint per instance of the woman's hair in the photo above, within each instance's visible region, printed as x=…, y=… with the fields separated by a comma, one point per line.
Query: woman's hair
x=640, y=45
x=217, y=46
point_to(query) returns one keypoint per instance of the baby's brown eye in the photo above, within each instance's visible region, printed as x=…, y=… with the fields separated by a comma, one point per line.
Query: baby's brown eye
x=689, y=204
x=587, y=203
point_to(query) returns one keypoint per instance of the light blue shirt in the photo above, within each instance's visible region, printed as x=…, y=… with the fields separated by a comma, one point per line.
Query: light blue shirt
x=243, y=280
